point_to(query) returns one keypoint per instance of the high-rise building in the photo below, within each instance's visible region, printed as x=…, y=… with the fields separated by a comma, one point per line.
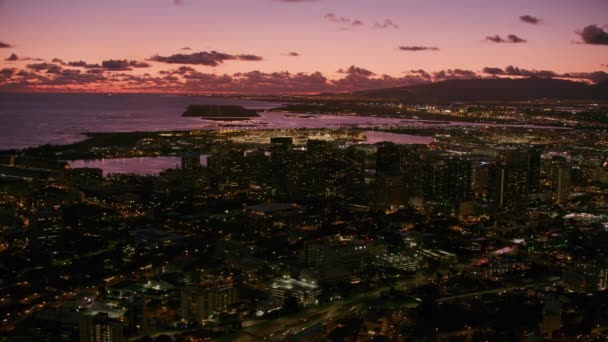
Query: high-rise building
x=561, y=177
x=534, y=168
x=586, y=277
x=413, y=161
x=388, y=160
x=335, y=261
x=551, y=317
x=100, y=328
x=137, y=314
x=511, y=179
x=191, y=161
x=198, y=303
x=448, y=179
x=389, y=180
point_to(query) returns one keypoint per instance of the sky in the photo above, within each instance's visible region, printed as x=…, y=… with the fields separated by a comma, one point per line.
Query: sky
x=293, y=46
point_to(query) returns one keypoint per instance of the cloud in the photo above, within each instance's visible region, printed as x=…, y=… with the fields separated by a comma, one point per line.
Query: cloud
x=387, y=23
x=515, y=71
x=54, y=69
x=115, y=64
x=292, y=54
x=4, y=45
x=212, y=58
x=6, y=73
x=186, y=48
x=58, y=77
x=42, y=66
x=354, y=70
x=188, y=79
x=120, y=65
x=594, y=35
x=422, y=73
x=15, y=57
x=454, y=74
x=530, y=19
x=493, y=71
x=509, y=39
x=251, y=58
x=139, y=64
x=82, y=64
x=418, y=48
x=596, y=76
x=95, y=71
x=343, y=20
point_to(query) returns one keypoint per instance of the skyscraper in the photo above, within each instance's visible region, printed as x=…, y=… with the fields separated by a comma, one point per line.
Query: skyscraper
x=100, y=328
x=561, y=176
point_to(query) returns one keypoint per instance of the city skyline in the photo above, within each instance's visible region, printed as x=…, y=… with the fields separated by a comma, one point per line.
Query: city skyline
x=293, y=46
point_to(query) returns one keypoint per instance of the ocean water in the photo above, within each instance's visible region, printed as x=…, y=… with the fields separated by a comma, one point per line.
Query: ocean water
x=31, y=119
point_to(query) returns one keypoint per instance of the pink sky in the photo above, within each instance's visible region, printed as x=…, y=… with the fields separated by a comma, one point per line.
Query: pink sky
x=94, y=31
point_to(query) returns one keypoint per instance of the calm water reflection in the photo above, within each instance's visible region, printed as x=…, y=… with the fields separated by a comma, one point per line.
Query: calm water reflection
x=139, y=166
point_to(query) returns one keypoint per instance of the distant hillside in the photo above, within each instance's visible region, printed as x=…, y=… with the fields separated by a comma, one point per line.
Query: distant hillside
x=217, y=112
x=501, y=89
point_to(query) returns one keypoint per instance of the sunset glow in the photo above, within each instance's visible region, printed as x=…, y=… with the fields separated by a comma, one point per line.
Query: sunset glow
x=293, y=45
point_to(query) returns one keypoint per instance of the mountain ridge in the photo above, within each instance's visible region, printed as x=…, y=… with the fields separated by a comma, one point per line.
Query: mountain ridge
x=495, y=89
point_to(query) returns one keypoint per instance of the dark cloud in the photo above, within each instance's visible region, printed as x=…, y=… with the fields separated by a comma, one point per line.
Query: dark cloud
x=4, y=45
x=292, y=54
x=495, y=39
x=7, y=72
x=387, y=23
x=54, y=69
x=55, y=76
x=418, y=48
x=184, y=69
x=14, y=57
x=251, y=58
x=186, y=48
x=454, y=74
x=83, y=64
x=515, y=71
x=212, y=58
x=594, y=35
x=530, y=19
x=139, y=64
x=343, y=20
x=421, y=73
x=354, y=70
x=595, y=77
x=95, y=71
x=493, y=71
x=116, y=65
x=509, y=39
x=515, y=39
x=42, y=66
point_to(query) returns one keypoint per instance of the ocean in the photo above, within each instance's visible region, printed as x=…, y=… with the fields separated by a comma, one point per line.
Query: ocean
x=30, y=119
